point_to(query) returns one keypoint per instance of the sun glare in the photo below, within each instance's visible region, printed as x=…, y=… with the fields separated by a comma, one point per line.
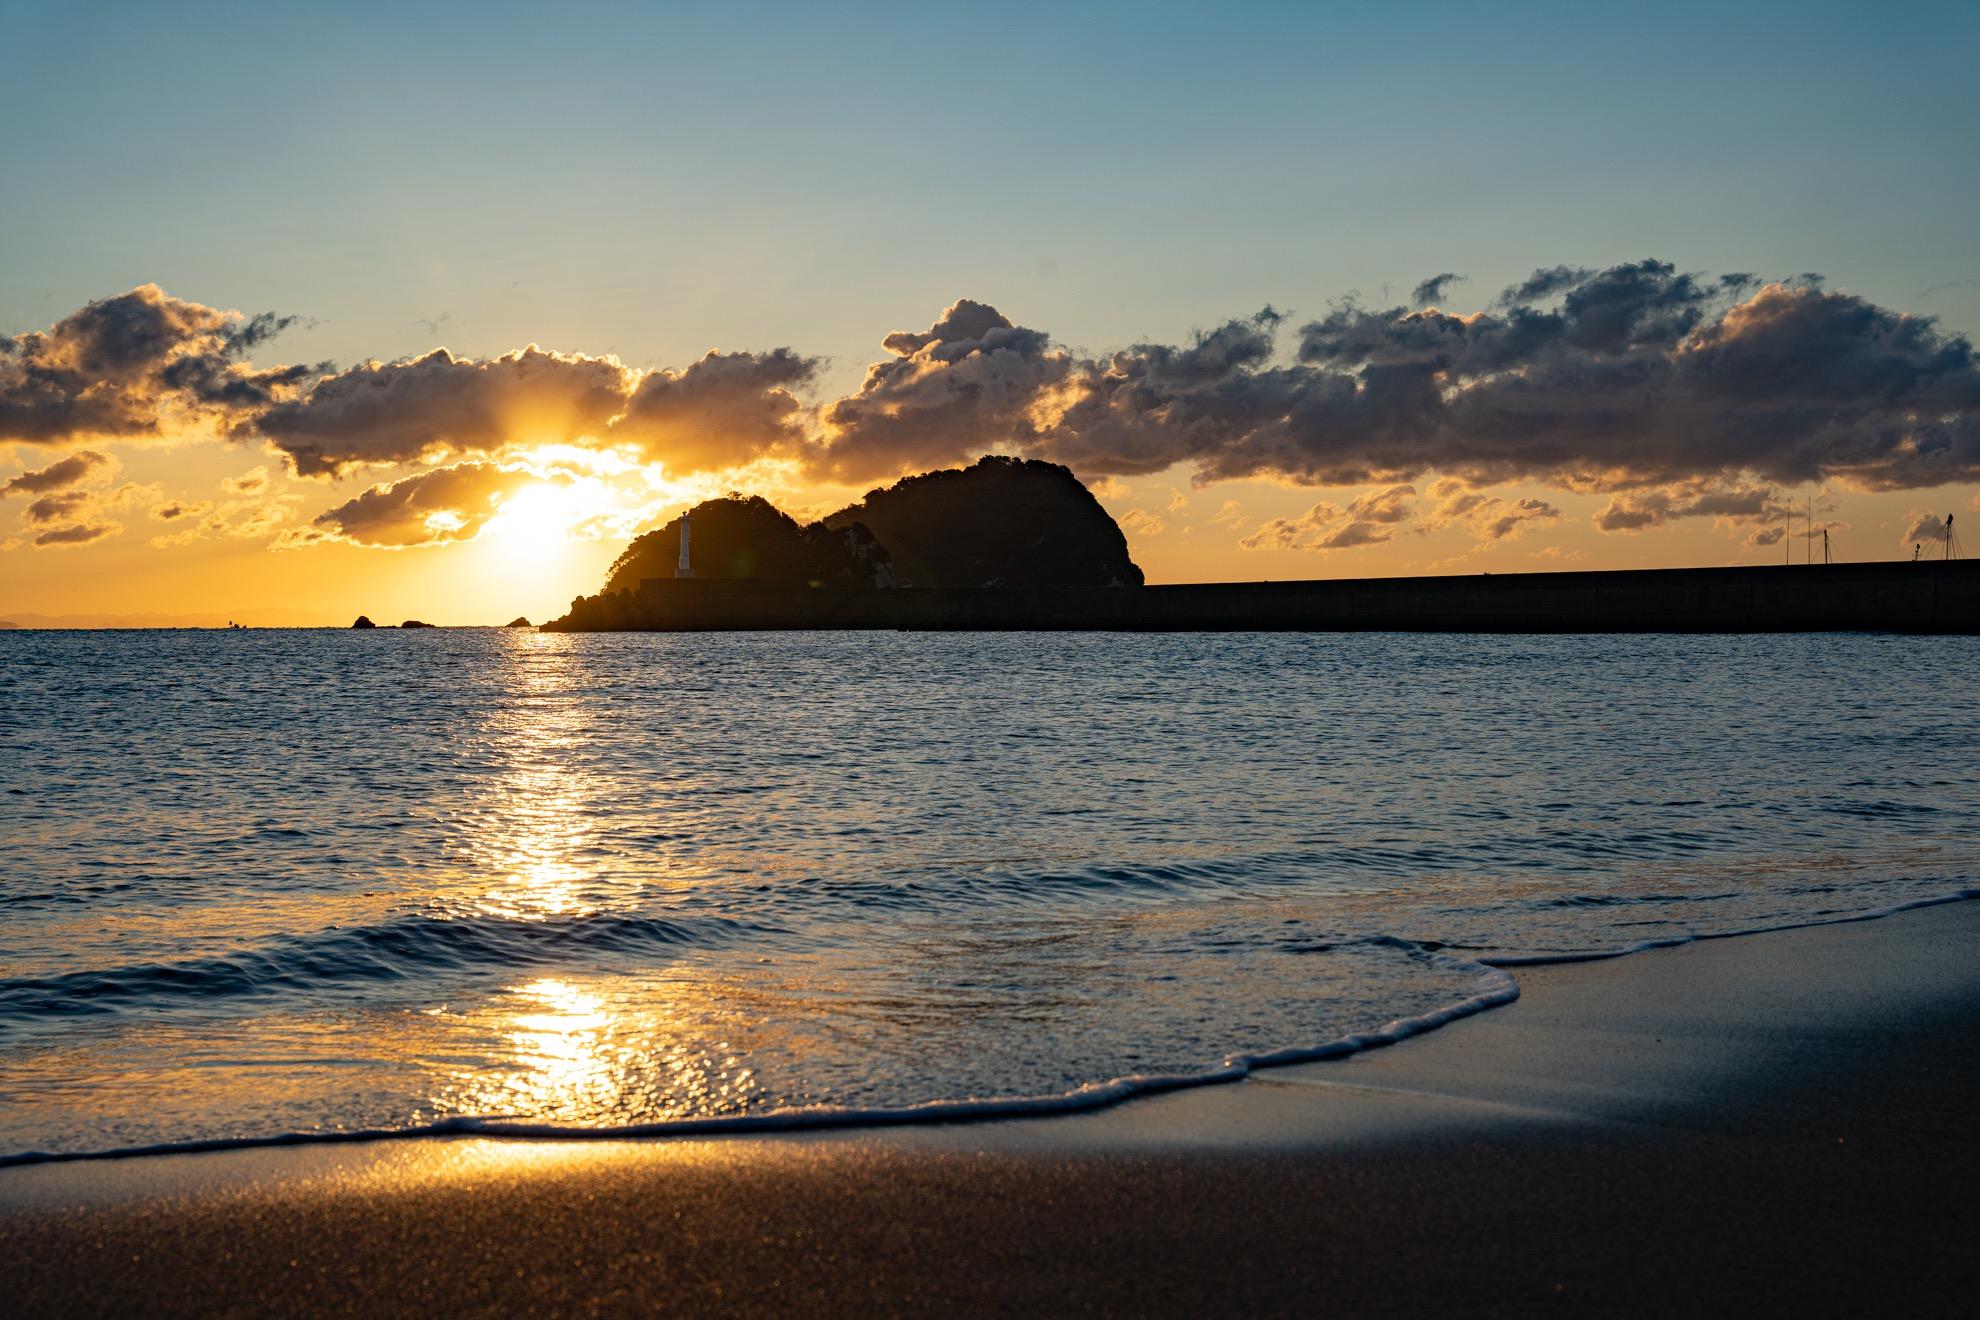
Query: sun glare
x=536, y=521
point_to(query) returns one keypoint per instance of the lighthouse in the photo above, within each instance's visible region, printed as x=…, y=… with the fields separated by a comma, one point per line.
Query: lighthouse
x=685, y=568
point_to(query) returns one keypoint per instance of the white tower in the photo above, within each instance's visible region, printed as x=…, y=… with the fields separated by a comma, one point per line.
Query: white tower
x=685, y=569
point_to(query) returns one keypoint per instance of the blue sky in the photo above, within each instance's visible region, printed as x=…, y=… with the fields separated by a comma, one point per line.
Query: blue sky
x=653, y=180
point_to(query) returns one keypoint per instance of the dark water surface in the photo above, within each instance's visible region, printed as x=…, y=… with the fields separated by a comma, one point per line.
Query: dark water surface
x=270, y=882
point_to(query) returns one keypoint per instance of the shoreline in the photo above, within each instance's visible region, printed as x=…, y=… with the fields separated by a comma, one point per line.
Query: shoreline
x=1090, y=1098
x=1777, y=1119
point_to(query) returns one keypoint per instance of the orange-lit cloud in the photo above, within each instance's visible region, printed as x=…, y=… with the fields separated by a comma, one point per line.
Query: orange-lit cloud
x=140, y=364
x=1676, y=396
x=393, y=413
x=1367, y=520
x=445, y=504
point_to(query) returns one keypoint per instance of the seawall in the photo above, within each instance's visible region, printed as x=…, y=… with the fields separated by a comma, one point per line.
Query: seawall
x=1937, y=597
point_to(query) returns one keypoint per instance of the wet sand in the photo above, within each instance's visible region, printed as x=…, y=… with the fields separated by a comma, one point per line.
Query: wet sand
x=1777, y=1122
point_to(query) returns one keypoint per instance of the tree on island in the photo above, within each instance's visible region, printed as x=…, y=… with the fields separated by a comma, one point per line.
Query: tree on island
x=746, y=536
x=1001, y=522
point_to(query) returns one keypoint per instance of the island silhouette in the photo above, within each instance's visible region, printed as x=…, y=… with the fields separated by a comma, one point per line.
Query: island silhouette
x=1021, y=544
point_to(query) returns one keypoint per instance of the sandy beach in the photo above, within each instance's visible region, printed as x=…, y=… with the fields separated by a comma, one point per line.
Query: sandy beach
x=1768, y=1123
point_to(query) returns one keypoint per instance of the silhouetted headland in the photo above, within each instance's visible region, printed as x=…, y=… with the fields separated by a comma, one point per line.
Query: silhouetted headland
x=1001, y=522
x=1015, y=545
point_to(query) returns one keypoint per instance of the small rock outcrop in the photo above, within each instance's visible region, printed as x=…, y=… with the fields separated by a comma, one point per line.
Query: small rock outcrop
x=519, y=622
x=415, y=623
x=364, y=621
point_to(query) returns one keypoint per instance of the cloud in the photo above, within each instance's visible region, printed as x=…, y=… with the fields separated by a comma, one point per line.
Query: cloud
x=1923, y=528
x=389, y=413
x=1433, y=289
x=137, y=365
x=1489, y=517
x=1143, y=523
x=445, y=504
x=55, y=508
x=1674, y=394
x=966, y=386
x=726, y=410
x=243, y=519
x=77, y=515
x=65, y=472
x=76, y=534
x=1634, y=511
x=1542, y=285
x=1367, y=520
x=1637, y=375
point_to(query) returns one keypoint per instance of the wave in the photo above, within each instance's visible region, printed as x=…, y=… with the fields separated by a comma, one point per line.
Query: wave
x=402, y=949
x=1499, y=988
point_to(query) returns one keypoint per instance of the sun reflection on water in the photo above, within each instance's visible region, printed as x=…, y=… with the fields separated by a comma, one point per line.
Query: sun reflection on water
x=568, y=1053
x=571, y=1046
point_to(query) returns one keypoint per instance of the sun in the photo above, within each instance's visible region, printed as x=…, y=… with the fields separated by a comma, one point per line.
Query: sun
x=535, y=522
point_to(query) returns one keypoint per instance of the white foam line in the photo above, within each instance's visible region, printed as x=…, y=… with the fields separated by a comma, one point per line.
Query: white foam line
x=1599, y=955
x=1094, y=1095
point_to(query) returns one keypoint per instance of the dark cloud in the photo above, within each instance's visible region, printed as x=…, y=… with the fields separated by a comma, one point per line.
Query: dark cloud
x=136, y=365
x=1634, y=511
x=1543, y=284
x=173, y=510
x=445, y=504
x=1433, y=289
x=1512, y=517
x=56, y=508
x=1635, y=376
x=251, y=482
x=964, y=387
x=721, y=412
x=65, y=472
x=386, y=413
x=76, y=534
x=1677, y=394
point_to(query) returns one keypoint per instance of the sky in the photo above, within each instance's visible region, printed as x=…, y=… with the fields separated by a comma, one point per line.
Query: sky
x=1191, y=251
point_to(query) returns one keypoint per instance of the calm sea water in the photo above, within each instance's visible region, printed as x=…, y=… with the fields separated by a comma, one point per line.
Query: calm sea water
x=271, y=882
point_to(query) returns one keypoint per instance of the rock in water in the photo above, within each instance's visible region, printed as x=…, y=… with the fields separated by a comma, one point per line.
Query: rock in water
x=1001, y=522
x=415, y=623
x=364, y=621
x=519, y=622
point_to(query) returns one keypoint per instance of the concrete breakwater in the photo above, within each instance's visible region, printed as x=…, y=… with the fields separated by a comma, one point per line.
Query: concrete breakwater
x=1936, y=597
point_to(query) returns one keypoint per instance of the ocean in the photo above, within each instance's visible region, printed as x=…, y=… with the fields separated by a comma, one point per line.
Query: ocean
x=301, y=884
